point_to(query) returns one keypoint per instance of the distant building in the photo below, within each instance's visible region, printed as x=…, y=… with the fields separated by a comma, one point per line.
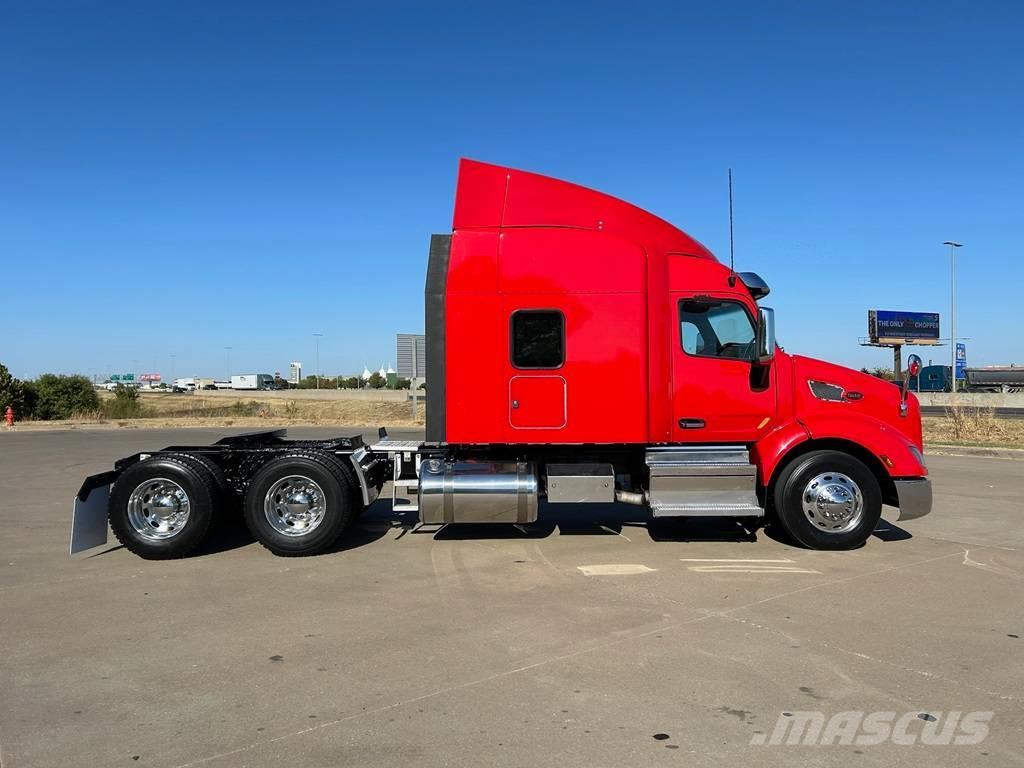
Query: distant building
x=295, y=373
x=411, y=349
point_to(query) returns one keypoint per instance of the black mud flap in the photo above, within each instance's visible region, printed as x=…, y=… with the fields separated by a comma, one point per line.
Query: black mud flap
x=89, y=514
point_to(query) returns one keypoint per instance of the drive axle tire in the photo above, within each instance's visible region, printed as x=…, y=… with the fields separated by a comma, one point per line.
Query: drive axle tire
x=225, y=500
x=301, y=503
x=828, y=500
x=162, y=508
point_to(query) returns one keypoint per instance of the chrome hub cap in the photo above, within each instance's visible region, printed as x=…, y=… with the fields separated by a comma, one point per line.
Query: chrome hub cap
x=158, y=509
x=295, y=505
x=833, y=503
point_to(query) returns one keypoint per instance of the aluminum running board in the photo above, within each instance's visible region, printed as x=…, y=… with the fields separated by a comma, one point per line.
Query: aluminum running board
x=702, y=481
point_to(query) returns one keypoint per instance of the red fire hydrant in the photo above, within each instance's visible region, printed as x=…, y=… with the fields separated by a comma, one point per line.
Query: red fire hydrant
x=9, y=416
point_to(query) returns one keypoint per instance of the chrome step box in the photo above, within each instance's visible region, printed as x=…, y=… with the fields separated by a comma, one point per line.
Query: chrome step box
x=580, y=483
x=702, y=481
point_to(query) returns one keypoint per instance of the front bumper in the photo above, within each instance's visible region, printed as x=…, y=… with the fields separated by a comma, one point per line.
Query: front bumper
x=915, y=497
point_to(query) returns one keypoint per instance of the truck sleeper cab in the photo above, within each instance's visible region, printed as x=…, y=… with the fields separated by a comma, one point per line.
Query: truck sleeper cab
x=579, y=350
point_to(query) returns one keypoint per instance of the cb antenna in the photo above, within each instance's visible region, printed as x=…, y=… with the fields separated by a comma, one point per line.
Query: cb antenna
x=732, y=256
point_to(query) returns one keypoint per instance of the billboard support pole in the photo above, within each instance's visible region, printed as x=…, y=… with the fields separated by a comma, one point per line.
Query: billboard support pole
x=897, y=361
x=953, y=245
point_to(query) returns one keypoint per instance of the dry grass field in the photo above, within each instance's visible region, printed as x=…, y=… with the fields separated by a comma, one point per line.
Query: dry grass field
x=969, y=427
x=973, y=427
x=162, y=409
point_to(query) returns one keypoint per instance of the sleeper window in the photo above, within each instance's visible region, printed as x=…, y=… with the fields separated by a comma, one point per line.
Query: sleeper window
x=538, y=338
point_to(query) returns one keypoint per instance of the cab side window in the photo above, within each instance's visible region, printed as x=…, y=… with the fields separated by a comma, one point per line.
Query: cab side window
x=538, y=338
x=712, y=328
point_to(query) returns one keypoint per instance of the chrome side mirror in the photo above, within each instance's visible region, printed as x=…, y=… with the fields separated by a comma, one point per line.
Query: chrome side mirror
x=913, y=369
x=766, y=335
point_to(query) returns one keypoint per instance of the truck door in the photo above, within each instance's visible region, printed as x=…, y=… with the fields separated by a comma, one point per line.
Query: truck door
x=720, y=394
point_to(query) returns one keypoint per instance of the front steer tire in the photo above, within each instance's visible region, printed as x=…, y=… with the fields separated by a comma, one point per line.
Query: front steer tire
x=815, y=492
x=299, y=504
x=162, y=508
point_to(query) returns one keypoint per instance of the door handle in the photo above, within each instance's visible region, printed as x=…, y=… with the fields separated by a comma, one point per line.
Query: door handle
x=691, y=423
x=515, y=403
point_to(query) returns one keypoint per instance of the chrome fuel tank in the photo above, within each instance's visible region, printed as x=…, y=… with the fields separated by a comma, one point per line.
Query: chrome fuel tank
x=477, y=492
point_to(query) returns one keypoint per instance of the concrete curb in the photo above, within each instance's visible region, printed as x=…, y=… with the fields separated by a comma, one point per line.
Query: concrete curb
x=939, y=449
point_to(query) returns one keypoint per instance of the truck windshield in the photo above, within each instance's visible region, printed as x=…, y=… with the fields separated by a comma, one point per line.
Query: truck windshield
x=716, y=329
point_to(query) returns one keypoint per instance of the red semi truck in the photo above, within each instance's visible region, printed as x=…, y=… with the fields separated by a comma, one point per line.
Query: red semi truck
x=579, y=350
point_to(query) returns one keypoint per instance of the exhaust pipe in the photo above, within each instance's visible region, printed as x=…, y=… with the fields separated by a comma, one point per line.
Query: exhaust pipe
x=631, y=497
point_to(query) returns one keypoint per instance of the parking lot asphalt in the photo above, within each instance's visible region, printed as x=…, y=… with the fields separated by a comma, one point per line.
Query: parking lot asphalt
x=591, y=638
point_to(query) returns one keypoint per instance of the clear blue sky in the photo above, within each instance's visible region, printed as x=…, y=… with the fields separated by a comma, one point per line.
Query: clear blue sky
x=177, y=177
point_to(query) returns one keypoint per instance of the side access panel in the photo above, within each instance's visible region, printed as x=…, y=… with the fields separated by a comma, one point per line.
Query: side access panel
x=537, y=402
x=702, y=481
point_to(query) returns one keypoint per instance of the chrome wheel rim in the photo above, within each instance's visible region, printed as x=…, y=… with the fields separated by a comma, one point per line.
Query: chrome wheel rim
x=833, y=503
x=158, y=509
x=295, y=505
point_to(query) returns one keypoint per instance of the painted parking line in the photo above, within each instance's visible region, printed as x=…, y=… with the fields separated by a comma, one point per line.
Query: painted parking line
x=748, y=569
x=614, y=569
x=731, y=560
x=744, y=565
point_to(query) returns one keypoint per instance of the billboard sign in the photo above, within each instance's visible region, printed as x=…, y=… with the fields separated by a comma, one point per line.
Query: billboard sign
x=888, y=326
x=149, y=377
x=961, y=361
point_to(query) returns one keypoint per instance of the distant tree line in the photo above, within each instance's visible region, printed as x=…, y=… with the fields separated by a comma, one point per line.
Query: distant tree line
x=51, y=396
x=881, y=373
x=376, y=381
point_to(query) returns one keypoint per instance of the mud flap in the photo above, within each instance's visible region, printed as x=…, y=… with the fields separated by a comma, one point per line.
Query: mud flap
x=89, y=519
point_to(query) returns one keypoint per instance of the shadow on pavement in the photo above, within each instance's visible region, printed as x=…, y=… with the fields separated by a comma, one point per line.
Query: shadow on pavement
x=884, y=531
x=887, y=531
x=601, y=520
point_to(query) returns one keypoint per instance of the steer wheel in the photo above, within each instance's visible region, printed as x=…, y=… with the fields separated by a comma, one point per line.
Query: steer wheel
x=828, y=500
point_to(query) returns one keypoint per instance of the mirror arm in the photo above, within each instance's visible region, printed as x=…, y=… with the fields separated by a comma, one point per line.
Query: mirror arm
x=762, y=339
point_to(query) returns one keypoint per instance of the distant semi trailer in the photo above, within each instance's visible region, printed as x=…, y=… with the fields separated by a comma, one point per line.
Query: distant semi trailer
x=936, y=378
x=996, y=379
x=252, y=381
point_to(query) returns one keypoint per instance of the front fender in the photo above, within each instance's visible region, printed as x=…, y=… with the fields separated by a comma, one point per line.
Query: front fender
x=890, y=446
x=767, y=452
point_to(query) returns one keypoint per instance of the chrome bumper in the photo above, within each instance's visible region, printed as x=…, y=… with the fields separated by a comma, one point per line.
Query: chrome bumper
x=915, y=497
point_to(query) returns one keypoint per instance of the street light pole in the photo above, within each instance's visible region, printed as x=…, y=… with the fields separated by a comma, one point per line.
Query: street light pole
x=953, y=245
x=172, y=369
x=317, y=337
x=227, y=351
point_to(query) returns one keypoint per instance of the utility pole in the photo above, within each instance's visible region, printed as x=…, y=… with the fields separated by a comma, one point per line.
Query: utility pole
x=953, y=245
x=227, y=351
x=317, y=337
